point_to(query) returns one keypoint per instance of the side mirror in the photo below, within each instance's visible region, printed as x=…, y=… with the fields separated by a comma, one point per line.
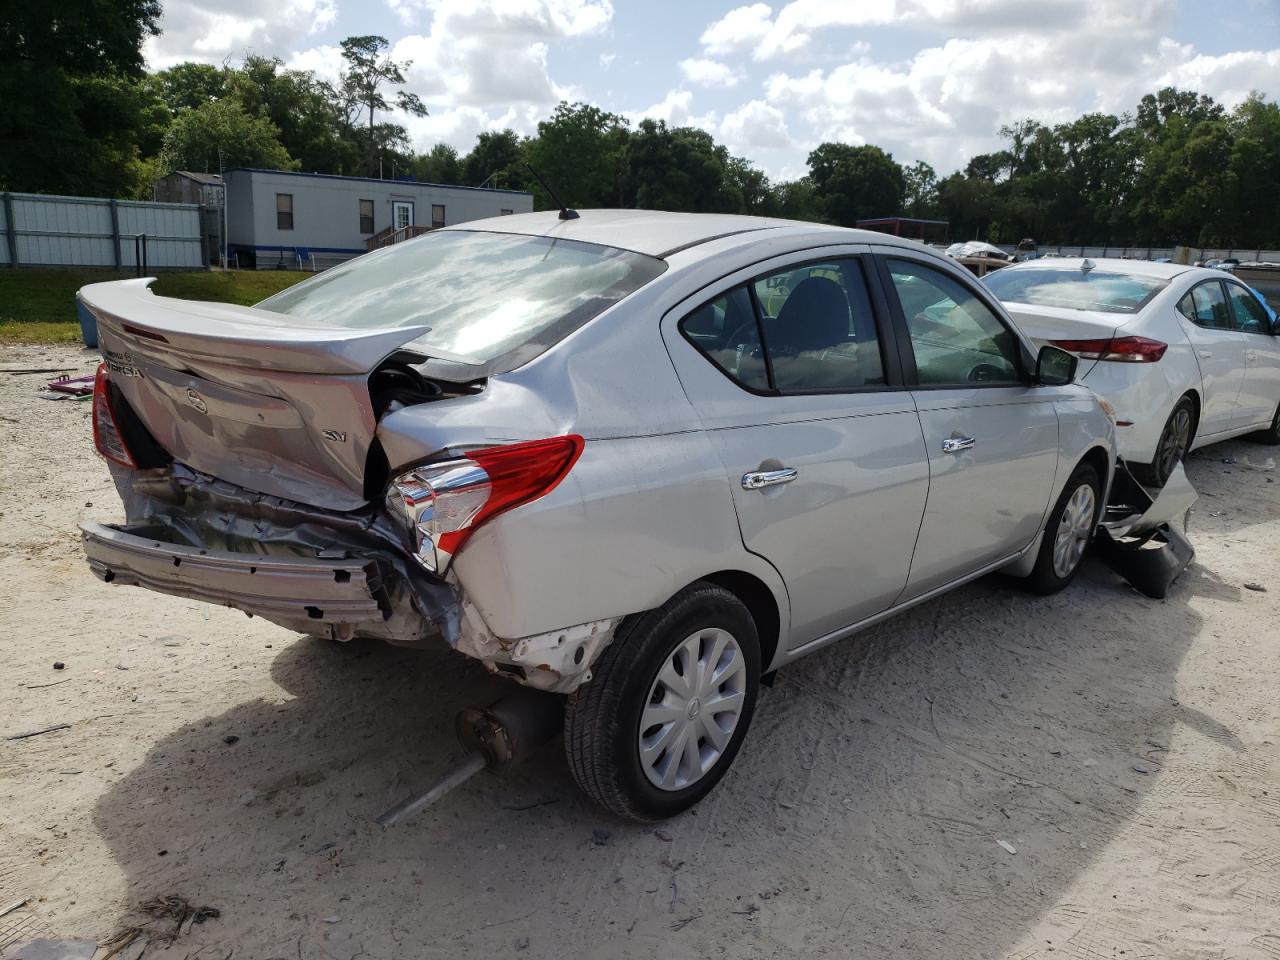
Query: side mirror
x=1055, y=367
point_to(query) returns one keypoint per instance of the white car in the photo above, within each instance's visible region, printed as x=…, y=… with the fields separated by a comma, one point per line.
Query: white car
x=1186, y=355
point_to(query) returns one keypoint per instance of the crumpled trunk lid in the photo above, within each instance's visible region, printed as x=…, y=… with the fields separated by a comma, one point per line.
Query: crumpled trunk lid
x=1045, y=324
x=253, y=397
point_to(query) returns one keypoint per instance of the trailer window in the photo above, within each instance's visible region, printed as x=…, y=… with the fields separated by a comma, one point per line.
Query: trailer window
x=284, y=211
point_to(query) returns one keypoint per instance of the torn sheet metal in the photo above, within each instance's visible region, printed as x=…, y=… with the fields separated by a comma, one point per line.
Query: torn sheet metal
x=557, y=662
x=222, y=531
x=1142, y=538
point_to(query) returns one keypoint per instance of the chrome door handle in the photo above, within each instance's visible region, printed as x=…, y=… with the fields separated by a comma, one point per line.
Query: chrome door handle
x=1206, y=354
x=956, y=444
x=768, y=478
x=1252, y=355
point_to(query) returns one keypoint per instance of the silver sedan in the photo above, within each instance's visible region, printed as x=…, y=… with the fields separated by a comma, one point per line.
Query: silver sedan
x=636, y=459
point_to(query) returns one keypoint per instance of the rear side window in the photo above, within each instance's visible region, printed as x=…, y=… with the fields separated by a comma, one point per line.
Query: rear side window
x=1205, y=306
x=1247, y=311
x=805, y=329
x=955, y=337
x=488, y=299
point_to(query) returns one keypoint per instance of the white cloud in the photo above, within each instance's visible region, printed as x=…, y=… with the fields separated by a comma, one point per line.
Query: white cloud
x=739, y=29
x=755, y=128
x=606, y=60
x=708, y=73
x=195, y=31
x=676, y=108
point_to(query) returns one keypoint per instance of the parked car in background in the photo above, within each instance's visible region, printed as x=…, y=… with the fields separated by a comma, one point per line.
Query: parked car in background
x=1188, y=356
x=640, y=459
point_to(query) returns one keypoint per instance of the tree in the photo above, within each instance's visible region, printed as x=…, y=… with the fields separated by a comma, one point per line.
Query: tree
x=222, y=134
x=496, y=160
x=185, y=86
x=580, y=152
x=368, y=71
x=678, y=168
x=856, y=182
x=920, y=193
x=73, y=111
x=302, y=109
x=439, y=165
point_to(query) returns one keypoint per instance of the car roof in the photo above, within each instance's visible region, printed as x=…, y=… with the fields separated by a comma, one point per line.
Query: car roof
x=1135, y=268
x=656, y=232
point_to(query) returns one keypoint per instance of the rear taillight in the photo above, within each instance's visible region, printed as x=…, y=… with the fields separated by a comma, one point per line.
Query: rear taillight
x=106, y=432
x=443, y=503
x=1121, y=349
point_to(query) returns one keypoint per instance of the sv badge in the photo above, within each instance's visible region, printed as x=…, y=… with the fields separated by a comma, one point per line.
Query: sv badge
x=197, y=401
x=337, y=436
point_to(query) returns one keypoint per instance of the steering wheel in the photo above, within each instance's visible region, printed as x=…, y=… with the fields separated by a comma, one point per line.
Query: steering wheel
x=985, y=373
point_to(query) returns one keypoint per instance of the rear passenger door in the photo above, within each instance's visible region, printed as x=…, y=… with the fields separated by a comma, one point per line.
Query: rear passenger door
x=1260, y=390
x=789, y=370
x=1205, y=316
x=991, y=434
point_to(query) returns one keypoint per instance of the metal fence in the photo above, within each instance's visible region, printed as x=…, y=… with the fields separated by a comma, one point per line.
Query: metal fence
x=41, y=230
x=1101, y=251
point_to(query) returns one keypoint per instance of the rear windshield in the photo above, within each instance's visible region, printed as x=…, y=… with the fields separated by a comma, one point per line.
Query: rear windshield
x=1095, y=290
x=490, y=299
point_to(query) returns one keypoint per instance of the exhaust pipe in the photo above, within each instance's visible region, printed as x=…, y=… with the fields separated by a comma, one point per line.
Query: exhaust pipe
x=505, y=732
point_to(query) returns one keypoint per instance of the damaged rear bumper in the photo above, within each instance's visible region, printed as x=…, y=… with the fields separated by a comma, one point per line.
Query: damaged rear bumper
x=302, y=593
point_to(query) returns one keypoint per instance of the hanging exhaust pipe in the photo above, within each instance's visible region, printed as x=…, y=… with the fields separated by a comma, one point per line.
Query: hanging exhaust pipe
x=505, y=732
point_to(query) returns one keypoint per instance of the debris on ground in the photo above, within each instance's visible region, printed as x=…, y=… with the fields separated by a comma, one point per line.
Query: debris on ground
x=1255, y=587
x=1006, y=846
x=59, y=665
x=17, y=904
x=159, y=920
x=600, y=838
x=36, y=733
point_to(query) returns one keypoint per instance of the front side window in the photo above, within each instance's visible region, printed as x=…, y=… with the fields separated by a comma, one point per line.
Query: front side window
x=1094, y=290
x=806, y=329
x=955, y=337
x=284, y=211
x=489, y=299
x=366, y=216
x=1247, y=311
x=437, y=216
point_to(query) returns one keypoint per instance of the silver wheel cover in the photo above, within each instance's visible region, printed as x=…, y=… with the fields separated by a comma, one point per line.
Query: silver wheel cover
x=693, y=709
x=1074, y=530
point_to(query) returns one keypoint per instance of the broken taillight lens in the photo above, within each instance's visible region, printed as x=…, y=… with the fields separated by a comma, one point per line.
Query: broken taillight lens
x=443, y=503
x=1121, y=349
x=106, y=432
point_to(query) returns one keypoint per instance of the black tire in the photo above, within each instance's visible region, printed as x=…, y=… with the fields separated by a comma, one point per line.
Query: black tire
x=1175, y=441
x=602, y=718
x=1044, y=578
x=1271, y=436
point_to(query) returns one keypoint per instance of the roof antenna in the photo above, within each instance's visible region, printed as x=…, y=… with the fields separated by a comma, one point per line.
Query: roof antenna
x=565, y=212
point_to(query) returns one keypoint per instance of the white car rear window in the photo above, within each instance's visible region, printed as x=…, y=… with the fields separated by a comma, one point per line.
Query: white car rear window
x=1074, y=289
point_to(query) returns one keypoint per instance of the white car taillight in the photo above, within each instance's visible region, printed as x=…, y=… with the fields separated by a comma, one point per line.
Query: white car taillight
x=442, y=504
x=1121, y=349
x=106, y=432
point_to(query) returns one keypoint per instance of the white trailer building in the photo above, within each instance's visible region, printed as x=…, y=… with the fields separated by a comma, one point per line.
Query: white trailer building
x=280, y=219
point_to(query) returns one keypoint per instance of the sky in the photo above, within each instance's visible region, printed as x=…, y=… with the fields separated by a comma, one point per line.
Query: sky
x=930, y=80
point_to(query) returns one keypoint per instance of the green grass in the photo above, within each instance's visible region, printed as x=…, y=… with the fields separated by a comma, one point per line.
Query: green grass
x=39, y=306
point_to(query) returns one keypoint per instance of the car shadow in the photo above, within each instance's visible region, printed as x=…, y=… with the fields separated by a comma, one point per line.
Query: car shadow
x=868, y=813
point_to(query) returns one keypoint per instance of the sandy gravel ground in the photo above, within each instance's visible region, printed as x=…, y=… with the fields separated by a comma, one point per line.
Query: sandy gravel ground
x=1125, y=748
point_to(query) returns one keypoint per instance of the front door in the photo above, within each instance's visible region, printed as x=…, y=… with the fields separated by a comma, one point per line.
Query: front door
x=820, y=442
x=1260, y=391
x=991, y=436
x=402, y=213
x=1205, y=316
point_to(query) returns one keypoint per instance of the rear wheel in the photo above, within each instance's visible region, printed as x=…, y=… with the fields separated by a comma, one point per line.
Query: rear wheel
x=1271, y=435
x=1067, y=534
x=668, y=705
x=1175, y=440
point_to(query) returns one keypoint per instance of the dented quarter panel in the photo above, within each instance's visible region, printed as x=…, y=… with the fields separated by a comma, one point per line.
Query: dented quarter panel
x=660, y=514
